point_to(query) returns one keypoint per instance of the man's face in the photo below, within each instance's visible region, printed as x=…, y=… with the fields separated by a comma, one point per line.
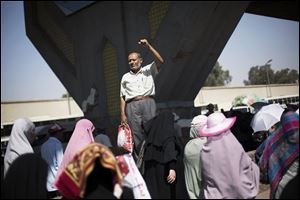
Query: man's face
x=134, y=62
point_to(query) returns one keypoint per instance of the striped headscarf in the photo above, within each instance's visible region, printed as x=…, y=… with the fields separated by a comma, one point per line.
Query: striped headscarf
x=281, y=150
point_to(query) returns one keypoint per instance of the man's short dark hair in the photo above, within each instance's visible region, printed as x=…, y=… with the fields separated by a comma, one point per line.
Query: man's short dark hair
x=210, y=106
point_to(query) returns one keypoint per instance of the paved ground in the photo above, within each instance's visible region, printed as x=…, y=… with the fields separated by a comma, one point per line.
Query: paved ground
x=264, y=191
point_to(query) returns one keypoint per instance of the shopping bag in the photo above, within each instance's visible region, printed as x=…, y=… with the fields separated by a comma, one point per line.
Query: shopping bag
x=125, y=137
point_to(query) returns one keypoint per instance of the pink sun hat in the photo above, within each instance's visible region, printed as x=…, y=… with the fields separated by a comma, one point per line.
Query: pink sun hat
x=217, y=123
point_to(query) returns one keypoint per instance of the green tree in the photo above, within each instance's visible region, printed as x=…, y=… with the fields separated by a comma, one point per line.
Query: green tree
x=294, y=76
x=259, y=75
x=286, y=76
x=66, y=95
x=218, y=77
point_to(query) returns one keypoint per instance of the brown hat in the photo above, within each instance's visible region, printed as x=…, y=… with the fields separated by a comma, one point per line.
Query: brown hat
x=55, y=128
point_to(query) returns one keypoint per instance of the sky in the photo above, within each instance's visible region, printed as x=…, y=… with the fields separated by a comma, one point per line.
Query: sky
x=256, y=39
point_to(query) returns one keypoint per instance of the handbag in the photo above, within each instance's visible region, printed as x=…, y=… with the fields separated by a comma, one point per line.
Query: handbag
x=125, y=137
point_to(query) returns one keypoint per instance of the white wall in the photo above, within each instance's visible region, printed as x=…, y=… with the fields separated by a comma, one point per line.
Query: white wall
x=223, y=96
x=39, y=110
x=59, y=108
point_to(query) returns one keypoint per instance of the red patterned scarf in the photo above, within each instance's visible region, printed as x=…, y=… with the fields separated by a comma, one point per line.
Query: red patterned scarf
x=72, y=182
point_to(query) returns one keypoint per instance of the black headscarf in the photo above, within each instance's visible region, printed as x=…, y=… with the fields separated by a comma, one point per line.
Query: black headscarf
x=161, y=138
x=26, y=178
x=163, y=152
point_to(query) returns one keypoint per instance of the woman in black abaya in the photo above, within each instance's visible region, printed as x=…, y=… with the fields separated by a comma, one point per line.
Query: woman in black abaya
x=163, y=158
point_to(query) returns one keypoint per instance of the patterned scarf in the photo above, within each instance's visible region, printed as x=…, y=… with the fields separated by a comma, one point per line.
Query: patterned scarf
x=281, y=150
x=72, y=182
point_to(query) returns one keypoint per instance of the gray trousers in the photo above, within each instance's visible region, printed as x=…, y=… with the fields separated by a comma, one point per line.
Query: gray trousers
x=138, y=113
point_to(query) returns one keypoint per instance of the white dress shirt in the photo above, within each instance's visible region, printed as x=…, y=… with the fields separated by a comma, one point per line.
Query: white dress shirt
x=139, y=84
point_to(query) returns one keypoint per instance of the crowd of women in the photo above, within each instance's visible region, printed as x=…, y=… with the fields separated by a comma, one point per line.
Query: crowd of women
x=212, y=165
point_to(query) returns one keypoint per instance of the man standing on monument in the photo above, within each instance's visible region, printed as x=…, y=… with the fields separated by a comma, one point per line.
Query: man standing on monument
x=137, y=90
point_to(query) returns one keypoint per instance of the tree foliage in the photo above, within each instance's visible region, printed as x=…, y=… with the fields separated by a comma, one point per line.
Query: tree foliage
x=65, y=95
x=259, y=75
x=286, y=76
x=218, y=77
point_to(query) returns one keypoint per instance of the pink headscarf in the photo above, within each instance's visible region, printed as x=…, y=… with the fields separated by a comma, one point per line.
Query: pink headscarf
x=228, y=171
x=81, y=137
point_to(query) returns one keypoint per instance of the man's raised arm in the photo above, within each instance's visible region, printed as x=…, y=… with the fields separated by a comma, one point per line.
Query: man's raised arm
x=158, y=59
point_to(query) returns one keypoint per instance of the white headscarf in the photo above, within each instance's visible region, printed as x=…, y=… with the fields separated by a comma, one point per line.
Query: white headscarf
x=197, y=123
x=21, y=137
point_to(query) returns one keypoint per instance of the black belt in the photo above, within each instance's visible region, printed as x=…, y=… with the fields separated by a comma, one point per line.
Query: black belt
x=138, y=98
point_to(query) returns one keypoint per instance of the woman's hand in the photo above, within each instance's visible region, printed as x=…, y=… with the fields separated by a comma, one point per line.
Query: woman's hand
x=172, y=176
